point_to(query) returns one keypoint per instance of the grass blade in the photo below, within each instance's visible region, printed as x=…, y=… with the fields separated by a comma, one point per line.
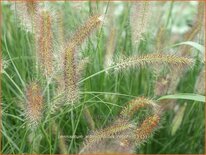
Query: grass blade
x=185, y=96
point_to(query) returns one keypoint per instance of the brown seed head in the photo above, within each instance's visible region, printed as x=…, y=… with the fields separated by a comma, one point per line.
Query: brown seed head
x=70, y=76
x=44, y=42
x=85, y=31
x=34, y=103
x=147, y=128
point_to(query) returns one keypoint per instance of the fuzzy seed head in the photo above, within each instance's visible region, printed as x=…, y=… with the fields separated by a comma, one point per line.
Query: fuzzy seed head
x=85, y=31
x=152, y=60
x=134, y=105
x=70, y=76
x=34, y=104
x=26, y=12
x=44, y=42
x=139, y=18
x=147, y=128
x=106, y=133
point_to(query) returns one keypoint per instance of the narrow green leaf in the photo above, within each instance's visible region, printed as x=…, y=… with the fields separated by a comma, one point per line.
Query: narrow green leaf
x=185, y=96
x=193, y=44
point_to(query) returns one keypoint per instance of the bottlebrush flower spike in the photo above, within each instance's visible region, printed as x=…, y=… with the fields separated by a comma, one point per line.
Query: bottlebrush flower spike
x=107, y=133
x=26, y=13
x=152, y=59
x=135, y=104
x=70, y=76
x=44, y=41
x=147, y=128
x=34, y=104
x=139, y=18
x=85, y=31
